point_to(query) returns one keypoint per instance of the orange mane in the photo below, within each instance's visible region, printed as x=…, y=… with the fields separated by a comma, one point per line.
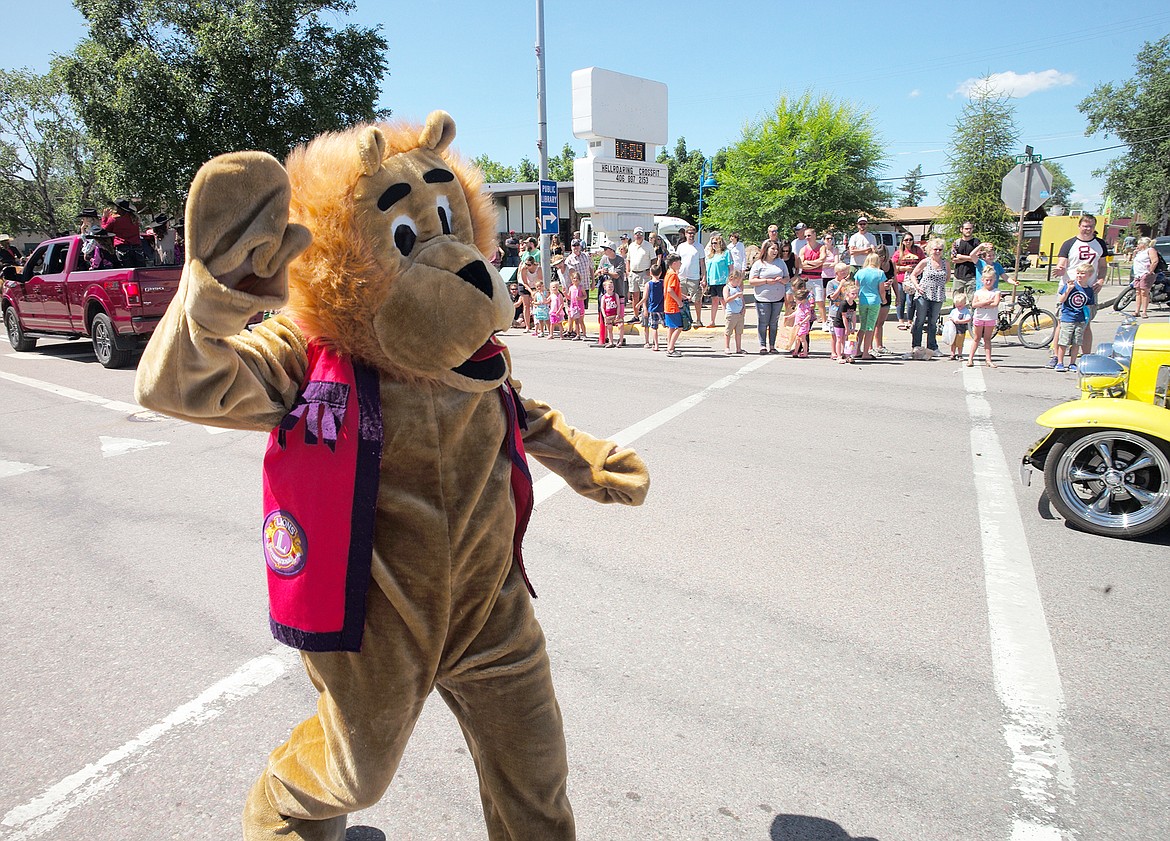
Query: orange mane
x=336, y=286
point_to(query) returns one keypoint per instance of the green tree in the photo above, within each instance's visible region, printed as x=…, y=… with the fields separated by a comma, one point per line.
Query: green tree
x=1138, y=111
x=560, y=168
x=810, y=160
x=911, y=189
x=684, y=172
x=981, y=154
x=47, y=165
x=1062, y=186
x=527, y=171
x=164, y=85
x=494, y=172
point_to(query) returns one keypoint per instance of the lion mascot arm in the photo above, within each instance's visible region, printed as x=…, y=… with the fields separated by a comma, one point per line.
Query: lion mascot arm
x=201, y=364
x=594, y=468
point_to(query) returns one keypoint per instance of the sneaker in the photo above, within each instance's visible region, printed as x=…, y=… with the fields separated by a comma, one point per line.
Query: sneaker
x=634, y=320
x=1051, y=363
x=1060, y=368
x=1072, y=368
x=826, y=328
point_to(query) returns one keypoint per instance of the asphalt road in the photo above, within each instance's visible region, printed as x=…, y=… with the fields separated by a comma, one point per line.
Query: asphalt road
x=805, y=633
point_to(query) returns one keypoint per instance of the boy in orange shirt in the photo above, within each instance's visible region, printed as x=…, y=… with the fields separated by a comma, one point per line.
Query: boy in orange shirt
x=673, y=304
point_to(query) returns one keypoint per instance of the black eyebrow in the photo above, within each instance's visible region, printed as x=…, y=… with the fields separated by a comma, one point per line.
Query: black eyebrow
x=393, y=193
x=436, y=176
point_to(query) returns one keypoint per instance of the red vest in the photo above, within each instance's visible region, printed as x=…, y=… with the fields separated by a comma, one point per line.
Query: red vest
x=320, y=502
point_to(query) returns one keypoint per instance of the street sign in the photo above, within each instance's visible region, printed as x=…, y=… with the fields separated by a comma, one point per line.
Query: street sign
x=1039, y=187
x=1029, y=159
x=549, y=208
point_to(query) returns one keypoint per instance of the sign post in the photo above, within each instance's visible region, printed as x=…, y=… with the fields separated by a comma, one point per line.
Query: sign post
x=1027, y=186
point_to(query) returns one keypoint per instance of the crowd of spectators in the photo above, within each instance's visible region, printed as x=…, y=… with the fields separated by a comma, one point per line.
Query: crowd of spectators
x=843, y=286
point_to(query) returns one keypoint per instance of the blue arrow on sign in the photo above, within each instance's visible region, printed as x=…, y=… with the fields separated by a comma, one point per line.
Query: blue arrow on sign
x=549, y=210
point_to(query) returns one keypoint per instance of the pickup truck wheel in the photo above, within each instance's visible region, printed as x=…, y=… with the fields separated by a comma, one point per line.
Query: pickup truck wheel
x=1110, y=482
x=107, y=352
x=16, y=336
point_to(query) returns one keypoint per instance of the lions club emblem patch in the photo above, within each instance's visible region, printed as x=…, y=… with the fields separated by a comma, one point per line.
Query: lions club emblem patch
x=285, y=547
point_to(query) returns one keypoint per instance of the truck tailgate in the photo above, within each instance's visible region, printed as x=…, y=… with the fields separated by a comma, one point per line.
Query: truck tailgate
x=157, y=286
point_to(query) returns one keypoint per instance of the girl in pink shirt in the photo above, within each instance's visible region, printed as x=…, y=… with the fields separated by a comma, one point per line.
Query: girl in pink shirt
x=576, y=305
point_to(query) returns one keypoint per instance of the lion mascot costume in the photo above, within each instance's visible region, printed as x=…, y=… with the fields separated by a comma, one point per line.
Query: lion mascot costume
x=395, y=483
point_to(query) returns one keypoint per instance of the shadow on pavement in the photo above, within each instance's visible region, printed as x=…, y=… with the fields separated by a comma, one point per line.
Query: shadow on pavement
x=364, y=833
x=809, y=828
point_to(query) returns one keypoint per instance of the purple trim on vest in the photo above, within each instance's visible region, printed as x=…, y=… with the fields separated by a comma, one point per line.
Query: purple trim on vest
x=522, y=491
x=364, y=511
x=322, y=405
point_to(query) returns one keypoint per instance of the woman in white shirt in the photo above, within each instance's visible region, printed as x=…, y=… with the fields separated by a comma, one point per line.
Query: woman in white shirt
x=1144, y=260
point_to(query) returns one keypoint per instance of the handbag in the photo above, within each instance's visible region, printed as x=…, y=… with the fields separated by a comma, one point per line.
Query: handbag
x=950, y=330
x=688, y=320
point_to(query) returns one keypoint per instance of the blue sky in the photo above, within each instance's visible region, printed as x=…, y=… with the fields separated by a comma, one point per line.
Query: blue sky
x=726, y=63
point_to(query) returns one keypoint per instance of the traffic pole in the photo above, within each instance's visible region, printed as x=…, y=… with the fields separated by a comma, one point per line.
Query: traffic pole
x=542, y=143
x=1023, y=209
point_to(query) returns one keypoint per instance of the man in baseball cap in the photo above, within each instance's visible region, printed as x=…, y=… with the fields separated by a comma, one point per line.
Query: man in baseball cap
x=861, y=245
x=801, y=240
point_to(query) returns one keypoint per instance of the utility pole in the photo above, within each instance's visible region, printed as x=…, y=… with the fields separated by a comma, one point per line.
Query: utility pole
x=542, y=144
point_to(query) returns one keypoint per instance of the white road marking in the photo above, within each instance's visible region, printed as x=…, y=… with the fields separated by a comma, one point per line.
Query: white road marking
x=71, y=393
x=104, y=402
x=552, y=483
x=1026, y=676
x=15, y=468
x=120, y=446
x=33, y=356
x=45, y=812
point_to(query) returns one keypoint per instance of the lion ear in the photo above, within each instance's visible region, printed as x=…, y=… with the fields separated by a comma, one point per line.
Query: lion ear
x=438, y=133
x=371, y=149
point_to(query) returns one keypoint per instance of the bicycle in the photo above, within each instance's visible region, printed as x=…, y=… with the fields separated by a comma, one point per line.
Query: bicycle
x=1036, y=327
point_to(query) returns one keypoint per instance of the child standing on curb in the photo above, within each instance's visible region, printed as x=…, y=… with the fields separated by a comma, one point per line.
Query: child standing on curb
x=556, y=310
x=652, y=303
x=576, y=305
x=1076, y=298
x=540, y=309
x=833, y=296
x=985, y=302
x=733, y=307
x=960, y=316
x=801, y=319
x=673, y=303
x=845, y=321
x=610, y=312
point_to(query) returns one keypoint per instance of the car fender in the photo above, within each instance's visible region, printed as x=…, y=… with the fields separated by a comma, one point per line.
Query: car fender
x=1109, y=413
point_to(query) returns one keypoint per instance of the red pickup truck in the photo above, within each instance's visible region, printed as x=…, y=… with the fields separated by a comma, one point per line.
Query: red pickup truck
x=56, y=295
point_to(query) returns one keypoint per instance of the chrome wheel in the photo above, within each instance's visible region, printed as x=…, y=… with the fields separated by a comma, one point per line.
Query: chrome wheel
x=1110, y=482
x=105, y=347
x=102, y=343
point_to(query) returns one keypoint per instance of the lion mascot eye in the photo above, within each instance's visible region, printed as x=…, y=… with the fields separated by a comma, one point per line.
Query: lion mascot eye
x=405, y=233
x=444, y=208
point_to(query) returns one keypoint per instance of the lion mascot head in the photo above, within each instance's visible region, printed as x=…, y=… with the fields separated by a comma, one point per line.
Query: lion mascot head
x=396, y=275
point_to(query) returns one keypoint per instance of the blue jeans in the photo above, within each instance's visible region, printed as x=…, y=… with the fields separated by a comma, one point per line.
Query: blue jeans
x=905, y=306
x=768, y=315
x=926, y=314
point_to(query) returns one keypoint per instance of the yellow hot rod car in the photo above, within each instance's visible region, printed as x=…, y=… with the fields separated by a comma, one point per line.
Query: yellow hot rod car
x=1106, y=460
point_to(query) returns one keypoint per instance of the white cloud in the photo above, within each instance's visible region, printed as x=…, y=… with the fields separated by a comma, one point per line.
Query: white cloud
x=914, y=94
x=1010, y=83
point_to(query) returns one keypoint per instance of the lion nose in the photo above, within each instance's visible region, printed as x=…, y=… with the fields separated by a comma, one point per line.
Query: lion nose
x=477, y=275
